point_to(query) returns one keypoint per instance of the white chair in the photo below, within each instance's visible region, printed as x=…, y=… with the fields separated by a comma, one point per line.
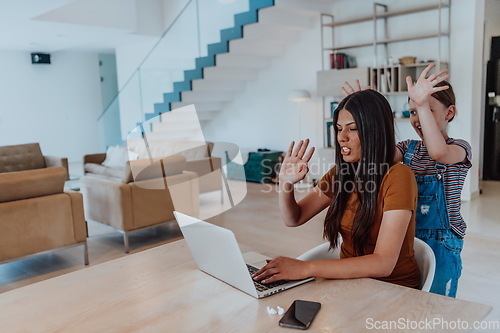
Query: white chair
x=426, y=263
x=424, y=256
x=321, y=252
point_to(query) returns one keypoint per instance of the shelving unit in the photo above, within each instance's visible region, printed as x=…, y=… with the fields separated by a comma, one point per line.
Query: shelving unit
x=387, y=77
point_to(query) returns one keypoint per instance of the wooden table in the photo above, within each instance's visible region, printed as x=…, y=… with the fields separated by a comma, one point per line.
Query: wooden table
x=162, y=290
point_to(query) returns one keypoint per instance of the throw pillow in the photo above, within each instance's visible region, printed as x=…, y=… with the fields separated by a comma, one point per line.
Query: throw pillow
x=117, y=157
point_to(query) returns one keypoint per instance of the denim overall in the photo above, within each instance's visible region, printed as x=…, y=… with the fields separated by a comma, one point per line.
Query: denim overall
x=433, y=227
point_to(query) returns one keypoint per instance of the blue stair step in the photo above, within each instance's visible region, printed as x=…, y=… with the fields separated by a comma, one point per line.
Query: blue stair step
x=218, y=48
x=161, y=107
x=182, y=86
x=259, y=4
x=245, y=18
x=141, y=126
x=193, y=74
x=232, y=33
x=172, y=97
x=205, y=61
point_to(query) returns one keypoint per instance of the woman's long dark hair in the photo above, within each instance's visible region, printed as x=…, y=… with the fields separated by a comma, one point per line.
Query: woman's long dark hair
x=373, y=116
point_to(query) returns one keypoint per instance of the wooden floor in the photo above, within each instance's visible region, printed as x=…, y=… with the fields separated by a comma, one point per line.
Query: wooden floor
x=480, y=281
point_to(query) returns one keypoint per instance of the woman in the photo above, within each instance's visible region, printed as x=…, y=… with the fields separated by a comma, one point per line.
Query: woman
x=371, y=200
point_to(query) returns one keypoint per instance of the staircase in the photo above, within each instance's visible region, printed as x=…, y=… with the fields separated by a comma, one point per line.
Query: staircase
x=258, y=35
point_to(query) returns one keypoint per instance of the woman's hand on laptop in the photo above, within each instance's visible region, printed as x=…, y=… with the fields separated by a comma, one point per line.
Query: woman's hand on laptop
x=282, y=268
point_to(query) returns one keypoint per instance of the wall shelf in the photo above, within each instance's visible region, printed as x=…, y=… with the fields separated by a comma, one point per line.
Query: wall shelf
x=385, y=41
x=384, y=76
x=386, y=15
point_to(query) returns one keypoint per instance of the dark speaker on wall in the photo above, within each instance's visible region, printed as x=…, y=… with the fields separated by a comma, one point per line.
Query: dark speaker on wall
x=495, y=48
x=40, y=58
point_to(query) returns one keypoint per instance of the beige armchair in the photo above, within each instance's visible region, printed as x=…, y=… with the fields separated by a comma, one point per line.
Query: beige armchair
x=198, y=156
x=37, y=216
x=28, y=157
x=141, y=195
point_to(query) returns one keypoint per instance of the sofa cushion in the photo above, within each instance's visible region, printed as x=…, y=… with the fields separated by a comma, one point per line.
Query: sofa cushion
x=192, y=150
x=21, y=157
x=31, y=183
x=117, y=157
x=98, y=169
x=143, y=169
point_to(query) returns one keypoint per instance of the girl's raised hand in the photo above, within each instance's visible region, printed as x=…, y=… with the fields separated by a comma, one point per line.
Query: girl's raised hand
x=294, y=167
x=347, y=89
x=424, y=87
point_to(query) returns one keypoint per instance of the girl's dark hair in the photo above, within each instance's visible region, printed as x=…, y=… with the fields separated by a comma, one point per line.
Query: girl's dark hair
x=374, y=120
x=445, y=97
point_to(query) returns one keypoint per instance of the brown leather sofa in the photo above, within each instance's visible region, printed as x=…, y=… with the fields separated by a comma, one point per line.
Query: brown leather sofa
x=36, y=215
x=28, y=157
x=140, y=195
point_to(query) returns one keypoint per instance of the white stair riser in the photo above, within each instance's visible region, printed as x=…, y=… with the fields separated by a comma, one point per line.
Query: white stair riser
x=308, y=8
x=202, y=115
x=242, y=61
x=161, y=135
x=201, y=107
x=238, y=74
x=197, y=97
x=275, y=16
x=263, y=32
x=218, y=85
x=175, y=126
x=256, y=47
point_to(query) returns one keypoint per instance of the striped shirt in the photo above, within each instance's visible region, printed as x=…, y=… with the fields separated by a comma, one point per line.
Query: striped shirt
x=454, y=177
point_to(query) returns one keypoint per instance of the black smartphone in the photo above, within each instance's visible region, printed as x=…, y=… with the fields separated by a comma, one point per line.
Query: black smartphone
x=300, y=314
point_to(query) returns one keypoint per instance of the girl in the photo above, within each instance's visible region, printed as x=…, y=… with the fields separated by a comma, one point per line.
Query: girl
x=440, y=164
x=371, y=200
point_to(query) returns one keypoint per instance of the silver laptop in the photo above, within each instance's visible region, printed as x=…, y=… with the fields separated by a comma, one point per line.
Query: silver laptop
x=217, y=253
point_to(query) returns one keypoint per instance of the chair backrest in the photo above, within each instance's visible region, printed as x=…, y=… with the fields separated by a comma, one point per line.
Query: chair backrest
x=426, y=262
x=320, y=252
x=27, y=184
x=423, y=255
x=21, y=157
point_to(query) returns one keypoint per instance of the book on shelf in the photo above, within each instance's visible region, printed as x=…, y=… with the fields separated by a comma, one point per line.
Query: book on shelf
x=333, y=107
x=330, y=135
x=373, y=79
x=389, y=80
x=339, y=60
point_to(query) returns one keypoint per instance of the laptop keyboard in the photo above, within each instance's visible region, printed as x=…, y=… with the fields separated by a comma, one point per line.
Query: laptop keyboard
x=264, y=286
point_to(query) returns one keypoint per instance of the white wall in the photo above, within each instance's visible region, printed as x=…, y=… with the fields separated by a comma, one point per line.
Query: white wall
x=467, y=31
x=56, y=105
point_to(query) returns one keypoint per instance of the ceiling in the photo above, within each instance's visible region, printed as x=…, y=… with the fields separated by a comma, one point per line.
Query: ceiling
x=77, y=25
x=84, y=25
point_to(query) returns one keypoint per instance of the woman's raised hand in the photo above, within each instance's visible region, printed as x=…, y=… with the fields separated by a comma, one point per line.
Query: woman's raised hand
x=424, y=87
x=294, y=167
x=347, y=89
